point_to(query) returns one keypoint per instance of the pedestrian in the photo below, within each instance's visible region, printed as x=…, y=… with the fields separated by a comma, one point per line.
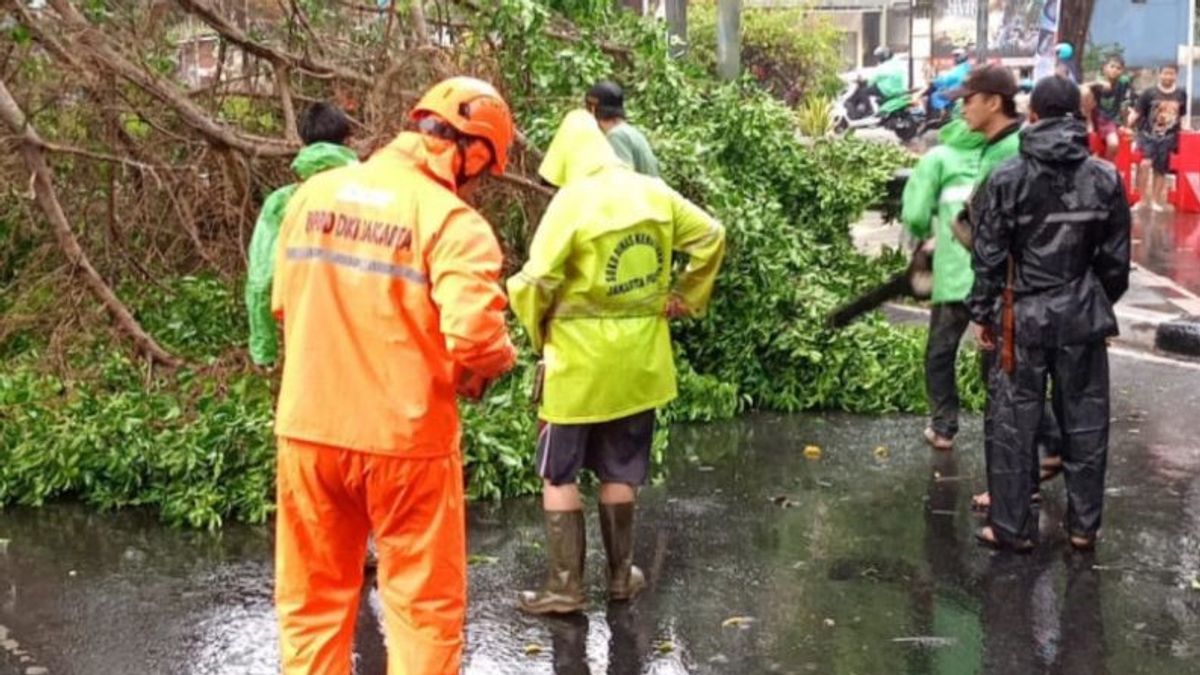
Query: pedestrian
x=936, y=191
x=324, y=129
x=594, y=298
x=1111, y=94
x=1156, y=117
x=943, y=180
x=606, y=101
x=387, y=284
x=1051, y=256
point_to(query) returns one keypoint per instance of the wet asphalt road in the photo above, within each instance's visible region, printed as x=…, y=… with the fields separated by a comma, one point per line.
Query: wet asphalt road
x=759, y=559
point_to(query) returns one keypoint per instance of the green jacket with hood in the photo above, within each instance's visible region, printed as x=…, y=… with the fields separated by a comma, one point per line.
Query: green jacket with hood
x=312, y=159
x=593, y=293
x=936, y=191
x=942, y=182
x=891, y=81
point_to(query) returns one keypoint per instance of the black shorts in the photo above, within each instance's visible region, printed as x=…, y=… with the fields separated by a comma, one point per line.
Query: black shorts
x=1158, y=149
x=618, y=451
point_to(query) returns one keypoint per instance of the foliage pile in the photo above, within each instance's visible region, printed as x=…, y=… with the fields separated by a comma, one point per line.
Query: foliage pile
x=80, y=416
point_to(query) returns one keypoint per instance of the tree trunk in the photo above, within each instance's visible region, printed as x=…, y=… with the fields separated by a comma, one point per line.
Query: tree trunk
x=1074, y=20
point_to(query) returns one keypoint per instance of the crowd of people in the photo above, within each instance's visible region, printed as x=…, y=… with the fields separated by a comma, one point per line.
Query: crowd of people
x=1032, y=247
x=387, y=286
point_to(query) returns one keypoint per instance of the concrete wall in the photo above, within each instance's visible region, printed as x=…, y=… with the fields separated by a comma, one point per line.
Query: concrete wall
x=1149, y=31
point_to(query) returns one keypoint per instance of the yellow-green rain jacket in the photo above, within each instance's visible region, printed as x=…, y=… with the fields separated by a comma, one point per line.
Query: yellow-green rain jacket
x=593, y=294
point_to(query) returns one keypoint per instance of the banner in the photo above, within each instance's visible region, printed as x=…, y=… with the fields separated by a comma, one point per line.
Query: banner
x=1047, y=39
x=1015, y=29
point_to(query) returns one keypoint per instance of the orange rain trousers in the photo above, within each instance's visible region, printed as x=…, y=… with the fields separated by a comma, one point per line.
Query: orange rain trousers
x=329, y=500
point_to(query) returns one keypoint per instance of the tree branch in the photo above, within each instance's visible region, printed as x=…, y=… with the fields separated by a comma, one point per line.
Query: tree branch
x=43, y=186
x=525, y=184
x=205, y=12
x=285, y=97
x=101, y=51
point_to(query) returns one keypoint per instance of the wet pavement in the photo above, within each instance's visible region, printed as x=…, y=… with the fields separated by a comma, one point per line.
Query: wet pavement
x=1168, y=244
x=759, y=560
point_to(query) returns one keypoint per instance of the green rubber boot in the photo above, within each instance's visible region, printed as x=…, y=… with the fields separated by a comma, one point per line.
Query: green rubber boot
x=566, y=547
x=625, y=580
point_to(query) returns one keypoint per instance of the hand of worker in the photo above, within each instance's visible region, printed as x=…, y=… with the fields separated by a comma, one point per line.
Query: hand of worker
x=676, y=308
x=984, y=337
x=471, y=386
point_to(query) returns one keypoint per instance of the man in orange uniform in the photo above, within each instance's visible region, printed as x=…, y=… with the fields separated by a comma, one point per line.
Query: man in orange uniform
x=387, y=286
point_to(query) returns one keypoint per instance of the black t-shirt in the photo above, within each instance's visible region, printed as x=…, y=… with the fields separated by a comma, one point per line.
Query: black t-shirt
x=1110, y=102
x=1160, y=112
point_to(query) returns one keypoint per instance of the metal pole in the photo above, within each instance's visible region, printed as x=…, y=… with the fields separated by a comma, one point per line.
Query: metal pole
x=1191, y=59
x=677, y=27
x=729, y=39
x=981, y=30
x=912, y=53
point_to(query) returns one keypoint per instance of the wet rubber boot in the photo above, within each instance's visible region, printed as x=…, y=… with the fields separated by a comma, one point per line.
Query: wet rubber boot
x=625, y=580
x=566, y=546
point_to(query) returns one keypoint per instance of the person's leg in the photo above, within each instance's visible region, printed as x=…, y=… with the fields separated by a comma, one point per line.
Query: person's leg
x=419, y=519
x=561, y=449
x=1145, y=180
x=619, y=453
x=1112, y=143
x=1015, y=407
x=1082, y=373
x=321, y=528
x=947, y=323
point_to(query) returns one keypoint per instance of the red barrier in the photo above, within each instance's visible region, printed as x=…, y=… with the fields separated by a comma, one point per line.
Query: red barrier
x=1186, y=165
x=1126, y=159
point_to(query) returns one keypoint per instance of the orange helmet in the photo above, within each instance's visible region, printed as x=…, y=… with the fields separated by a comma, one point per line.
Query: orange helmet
x=475, y=109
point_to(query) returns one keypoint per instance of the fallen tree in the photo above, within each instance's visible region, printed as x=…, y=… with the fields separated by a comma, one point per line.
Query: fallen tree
x=162, y=126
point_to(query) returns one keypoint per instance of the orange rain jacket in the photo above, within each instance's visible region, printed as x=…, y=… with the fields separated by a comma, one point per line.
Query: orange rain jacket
x=387, y=285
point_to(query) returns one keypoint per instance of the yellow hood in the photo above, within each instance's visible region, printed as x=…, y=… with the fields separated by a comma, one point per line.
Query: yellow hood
x=579, y=149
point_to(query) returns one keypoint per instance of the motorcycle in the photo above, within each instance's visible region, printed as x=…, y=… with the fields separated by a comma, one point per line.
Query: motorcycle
x=858, y=107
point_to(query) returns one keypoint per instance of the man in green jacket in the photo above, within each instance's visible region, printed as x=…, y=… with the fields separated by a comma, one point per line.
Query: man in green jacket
x=941, y=184
x=594, y=297
x=323, y=128
x=935, y=193
x=890, y=82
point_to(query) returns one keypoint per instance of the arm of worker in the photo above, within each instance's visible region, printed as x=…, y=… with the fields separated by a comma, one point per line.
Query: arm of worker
x=920, y=199
x=464, y=275
x=532, y=292
x=1111, y=264
x=291, y=217
x=264, y=340
x=995, y=224
x=702, y=238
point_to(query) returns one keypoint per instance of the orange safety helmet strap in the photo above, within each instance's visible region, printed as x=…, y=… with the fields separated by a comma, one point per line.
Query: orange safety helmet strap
x=474, y=109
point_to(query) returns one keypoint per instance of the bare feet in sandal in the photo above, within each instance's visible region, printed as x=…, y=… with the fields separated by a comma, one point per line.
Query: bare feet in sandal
x=1051, y=467
x=987, y=537
x=981, y=501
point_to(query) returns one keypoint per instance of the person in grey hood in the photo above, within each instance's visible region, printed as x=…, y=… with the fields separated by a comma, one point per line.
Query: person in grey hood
x=1051, y=257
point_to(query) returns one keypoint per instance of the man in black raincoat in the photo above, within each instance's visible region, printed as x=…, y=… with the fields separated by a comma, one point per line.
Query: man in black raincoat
x=1052, y=226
